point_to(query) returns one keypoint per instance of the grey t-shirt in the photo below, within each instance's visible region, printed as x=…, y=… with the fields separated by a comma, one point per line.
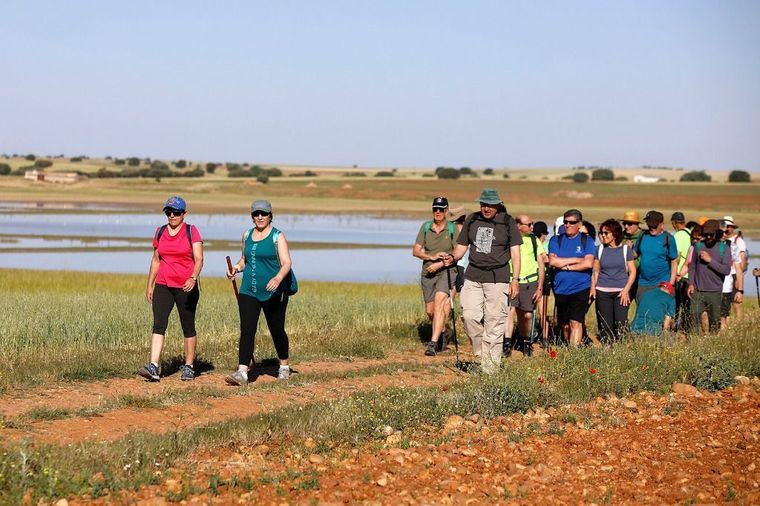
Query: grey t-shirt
x=613, y=272
x=489, y=242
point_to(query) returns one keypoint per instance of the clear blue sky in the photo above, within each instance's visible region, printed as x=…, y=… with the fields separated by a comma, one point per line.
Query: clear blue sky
x=389, y=83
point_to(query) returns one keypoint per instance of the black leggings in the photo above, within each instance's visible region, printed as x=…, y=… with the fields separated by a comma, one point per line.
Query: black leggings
x=274, y=311
x=164, y=299
x=611, y=316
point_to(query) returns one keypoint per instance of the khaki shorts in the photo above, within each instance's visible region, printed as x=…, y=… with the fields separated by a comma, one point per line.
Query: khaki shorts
x=438, y=282
x=524, y=299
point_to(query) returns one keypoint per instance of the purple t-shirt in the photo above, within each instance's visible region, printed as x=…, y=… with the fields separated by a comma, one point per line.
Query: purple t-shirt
x=613, y=272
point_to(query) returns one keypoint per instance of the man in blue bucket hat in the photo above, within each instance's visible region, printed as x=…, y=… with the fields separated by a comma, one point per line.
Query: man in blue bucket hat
x=492, y=239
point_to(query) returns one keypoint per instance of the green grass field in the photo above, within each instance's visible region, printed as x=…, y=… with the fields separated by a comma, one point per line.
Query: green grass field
x=75, y=326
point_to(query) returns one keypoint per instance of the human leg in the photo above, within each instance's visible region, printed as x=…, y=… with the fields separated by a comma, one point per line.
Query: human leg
x=620, y=318
x=163, y=303
x=605, y=315
x=187, y=303
x=275, y=310
x=472, y=299
x=249, y=309
x=495, y=309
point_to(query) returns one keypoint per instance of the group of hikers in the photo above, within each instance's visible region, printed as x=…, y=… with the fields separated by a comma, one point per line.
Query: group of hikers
x=505, y=267
x=266, y=285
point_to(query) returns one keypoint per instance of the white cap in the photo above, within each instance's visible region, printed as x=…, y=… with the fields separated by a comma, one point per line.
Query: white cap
x=729, y=220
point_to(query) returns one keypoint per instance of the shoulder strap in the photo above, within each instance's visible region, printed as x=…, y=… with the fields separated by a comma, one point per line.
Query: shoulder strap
x=451, y=230
x=427, y=226
x=625, y=256
x=160, y=232
x=584, y=239
x=535, y=247
x=189, y=230
x=559, y=240
x=667, y=244
x=599, y=252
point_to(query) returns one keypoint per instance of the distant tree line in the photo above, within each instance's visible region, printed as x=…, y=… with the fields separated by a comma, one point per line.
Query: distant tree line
x=256, y=171
x=454, y=173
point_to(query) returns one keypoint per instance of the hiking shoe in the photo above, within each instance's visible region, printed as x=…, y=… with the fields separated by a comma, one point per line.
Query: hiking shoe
x=150, y=372
x=284, y=373
x=188, y=374
x=430, y=350
x=237, y=378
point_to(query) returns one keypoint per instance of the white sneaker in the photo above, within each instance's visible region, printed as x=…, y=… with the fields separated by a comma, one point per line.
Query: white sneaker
x=284, y=373
x=239, y=378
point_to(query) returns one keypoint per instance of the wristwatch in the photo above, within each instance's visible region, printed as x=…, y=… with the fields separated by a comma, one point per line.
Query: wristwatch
x=194, y=278
x=740, y=291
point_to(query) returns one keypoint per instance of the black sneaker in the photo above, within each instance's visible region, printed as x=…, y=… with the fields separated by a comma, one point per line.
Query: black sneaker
x=430, y=350
x=150, y=372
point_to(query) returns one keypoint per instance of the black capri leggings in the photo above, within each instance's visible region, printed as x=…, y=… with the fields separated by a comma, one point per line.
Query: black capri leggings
x=274, y=311
x=611, y=316
x=164, y=299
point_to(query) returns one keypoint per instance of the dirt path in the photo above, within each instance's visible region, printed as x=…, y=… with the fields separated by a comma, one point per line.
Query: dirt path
x=201, y=409
x=670, y=449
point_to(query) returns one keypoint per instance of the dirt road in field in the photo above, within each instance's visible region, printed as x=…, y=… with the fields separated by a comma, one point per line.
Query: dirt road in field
x=685, y=448
x=106, y=411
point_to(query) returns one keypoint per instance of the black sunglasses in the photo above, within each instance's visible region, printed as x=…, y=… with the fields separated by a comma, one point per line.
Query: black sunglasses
x=629, y=223
x=439, y=209
x=604, y=232
x=529, y=224
x=173, y=212
x=570, y=222
x=256, y=214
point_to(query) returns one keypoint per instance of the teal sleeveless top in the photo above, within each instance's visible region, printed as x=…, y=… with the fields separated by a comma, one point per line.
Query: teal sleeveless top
x=261, y=265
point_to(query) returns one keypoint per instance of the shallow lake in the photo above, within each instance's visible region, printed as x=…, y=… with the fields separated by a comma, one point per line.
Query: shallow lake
x=63, y=230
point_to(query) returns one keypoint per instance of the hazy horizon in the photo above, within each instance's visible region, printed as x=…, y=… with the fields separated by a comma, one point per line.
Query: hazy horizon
x=394, y=84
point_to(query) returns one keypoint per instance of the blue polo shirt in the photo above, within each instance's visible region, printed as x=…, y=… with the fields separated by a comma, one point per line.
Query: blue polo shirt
x=654, y=258
x=651, y=311
x=570, y=282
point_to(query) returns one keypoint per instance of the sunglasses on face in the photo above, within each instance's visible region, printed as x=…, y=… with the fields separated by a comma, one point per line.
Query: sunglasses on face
x=629, y=223
x=173, y=212
x=571, y=222
x=605, y=233
x=439, y=209
x=257, y=214
x=529, y=224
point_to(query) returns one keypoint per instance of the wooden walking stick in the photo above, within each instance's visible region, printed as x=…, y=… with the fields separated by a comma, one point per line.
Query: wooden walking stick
x=234, y=283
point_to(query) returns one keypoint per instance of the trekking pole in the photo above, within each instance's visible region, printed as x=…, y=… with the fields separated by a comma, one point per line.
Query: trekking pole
x=532, y=328
x=756, y=273
x=453, y=317
x=234, y=283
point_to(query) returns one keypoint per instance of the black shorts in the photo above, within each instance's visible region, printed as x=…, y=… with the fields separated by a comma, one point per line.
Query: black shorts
x=573, y=306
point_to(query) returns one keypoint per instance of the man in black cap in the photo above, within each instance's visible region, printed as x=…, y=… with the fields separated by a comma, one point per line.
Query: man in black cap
x=434, y=244
x=682, y=236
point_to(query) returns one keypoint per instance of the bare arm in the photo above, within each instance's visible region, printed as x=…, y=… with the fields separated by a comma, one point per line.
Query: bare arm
x=560, y=262
x=459, y=251
x=673, y=271
x=152, y=273
x=198, y=259
x=595, y=275
x=582, y=264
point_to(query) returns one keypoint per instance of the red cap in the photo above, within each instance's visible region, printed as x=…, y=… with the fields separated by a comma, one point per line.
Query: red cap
x=668, y=287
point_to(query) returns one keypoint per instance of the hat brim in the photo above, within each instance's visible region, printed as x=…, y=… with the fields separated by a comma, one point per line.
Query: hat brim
x=490, y=202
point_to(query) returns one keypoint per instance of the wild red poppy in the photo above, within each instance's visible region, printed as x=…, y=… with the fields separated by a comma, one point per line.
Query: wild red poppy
x=541, y=380
x=592, y=370
x=552, y=353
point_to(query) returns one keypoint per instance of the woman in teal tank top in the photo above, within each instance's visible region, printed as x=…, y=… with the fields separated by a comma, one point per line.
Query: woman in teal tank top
x=265, y=263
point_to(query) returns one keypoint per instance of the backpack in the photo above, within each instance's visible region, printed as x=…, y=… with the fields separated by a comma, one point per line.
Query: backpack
x=637, y=246
x=290, y=282
x=722, y=248
x=428, y=224
x=584, y=240
x=189, y=234
x=625, y=255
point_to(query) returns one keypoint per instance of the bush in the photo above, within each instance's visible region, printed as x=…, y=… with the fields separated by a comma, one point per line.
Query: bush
x=180, y=164
x=739, y=176
x=602, y=175
x=505, y=176
x=75, y=159
x=5, y=169
x=488, y=172
x=211, y=167
x=384, y=173
x=263, y=179
x=274, y=172
x=621, y=178
x=448, y=173
x=465, y=171
x=354, y=174
x=133, y=161
x=699, y=176
x=580, y=177
x=119, y=161
x=30, y=157
x=43, y=164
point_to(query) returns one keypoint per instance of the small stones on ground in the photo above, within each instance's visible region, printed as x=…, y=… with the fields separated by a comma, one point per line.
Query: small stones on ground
x=685, y=390
x=387, y=430
x=453, y=422
x=316, y=459
x=630, y=405
x=742, y=380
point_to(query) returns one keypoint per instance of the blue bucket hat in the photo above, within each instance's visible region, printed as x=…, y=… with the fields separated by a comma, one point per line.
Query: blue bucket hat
x=489, y=196
x=177, y=203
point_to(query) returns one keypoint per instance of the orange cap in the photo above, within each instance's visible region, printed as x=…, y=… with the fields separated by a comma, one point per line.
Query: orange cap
x=702, y=219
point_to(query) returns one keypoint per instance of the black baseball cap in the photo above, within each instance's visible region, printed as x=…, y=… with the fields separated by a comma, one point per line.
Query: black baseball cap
x=540, y=228
x=677, y=216
x=440, y=202
x=653, y=218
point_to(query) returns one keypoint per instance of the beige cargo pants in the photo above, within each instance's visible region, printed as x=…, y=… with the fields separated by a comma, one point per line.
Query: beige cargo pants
x=484, y=309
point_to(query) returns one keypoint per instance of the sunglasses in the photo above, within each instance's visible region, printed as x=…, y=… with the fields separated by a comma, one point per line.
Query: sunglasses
x=257, y=214
x=571, y=222
x=605, y=233
x=439, y=209
x=173, y=212
x=530, y=224
x=629, y=223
